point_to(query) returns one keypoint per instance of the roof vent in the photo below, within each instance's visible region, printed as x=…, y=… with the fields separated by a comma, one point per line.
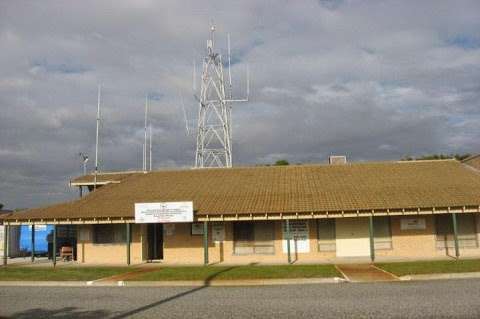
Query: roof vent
x=337, y=159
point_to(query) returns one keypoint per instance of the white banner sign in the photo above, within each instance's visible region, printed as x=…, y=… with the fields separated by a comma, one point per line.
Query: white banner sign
x=39, y=227
x=168, y=212
x=412, y=223
x=299, y=233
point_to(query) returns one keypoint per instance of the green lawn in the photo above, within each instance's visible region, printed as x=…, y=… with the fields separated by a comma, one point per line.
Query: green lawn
x=238, y=272
x=431, y=267
x=168, y=273
x=58, y=274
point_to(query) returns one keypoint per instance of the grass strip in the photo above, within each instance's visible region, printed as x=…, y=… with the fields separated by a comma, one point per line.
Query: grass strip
x=208, y=273
x=431, y=267
x=59, y=274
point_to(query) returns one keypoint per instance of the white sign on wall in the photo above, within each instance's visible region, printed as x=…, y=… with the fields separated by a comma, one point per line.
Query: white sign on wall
x=412, y=223
x=168, y=212
x=197, y=228
x=299, y=237
x=218, y=232
x=39, y=227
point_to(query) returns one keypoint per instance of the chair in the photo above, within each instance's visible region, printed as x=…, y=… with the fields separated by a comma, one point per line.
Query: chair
x=66, y=253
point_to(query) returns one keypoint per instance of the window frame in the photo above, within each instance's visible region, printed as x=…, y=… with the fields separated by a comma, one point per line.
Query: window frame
x=380, y=241
x=118, y=234
x=445, y=240
x=325, y=241
x=250, y=242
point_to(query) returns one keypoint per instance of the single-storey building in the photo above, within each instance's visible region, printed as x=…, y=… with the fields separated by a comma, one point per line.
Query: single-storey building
x=306, y=213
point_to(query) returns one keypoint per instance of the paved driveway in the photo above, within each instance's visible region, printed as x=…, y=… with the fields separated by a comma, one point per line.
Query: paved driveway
x=434, y=299
x=365, y=273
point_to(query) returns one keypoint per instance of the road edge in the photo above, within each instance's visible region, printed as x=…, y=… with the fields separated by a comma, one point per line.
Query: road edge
x=462, y=275
x=174, y=283
x=224, y=283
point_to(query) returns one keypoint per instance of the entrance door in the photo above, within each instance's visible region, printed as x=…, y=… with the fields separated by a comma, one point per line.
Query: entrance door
x=155, y=241
x=353, y=239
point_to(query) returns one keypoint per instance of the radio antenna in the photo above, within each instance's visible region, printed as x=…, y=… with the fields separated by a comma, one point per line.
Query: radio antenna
x=150, y=128
x=99, y=94
x=214, y=128
x=145, y=135
x=229, y=66
x=184, y=113
x=194, y=76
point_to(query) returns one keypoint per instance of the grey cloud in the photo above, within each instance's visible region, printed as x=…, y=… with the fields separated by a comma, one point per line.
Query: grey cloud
x=371, y=79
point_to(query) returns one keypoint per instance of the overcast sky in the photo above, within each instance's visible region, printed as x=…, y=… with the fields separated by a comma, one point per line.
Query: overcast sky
x=375, y=80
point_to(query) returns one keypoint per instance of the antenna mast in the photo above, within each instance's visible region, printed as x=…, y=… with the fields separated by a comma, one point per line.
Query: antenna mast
x=150, y=128
x=214, y=130
x=145, y=140
x=96, y=138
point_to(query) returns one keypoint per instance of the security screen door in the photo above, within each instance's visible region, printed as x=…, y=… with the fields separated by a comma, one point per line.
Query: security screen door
x=155, y=241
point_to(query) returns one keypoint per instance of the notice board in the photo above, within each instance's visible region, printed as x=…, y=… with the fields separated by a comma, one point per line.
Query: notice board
x=299, y=237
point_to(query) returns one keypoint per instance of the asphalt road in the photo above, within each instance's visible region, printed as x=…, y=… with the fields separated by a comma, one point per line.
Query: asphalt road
x=426, y=299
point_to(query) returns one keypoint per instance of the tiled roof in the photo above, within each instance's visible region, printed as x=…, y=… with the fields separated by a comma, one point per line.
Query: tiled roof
x=283, y=189
x=3, y=214
x=473, y=161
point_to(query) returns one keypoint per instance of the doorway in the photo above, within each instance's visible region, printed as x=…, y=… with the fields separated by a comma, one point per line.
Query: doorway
x=353, y=239
x=155, y=241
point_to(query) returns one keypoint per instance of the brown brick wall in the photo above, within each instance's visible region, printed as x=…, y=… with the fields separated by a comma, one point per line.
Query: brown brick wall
x=184, y=248
x=411, y=243
x=91, y=253
x=420, y=243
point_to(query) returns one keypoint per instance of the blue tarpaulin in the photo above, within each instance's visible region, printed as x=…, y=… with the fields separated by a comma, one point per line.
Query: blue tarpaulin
x=41, y=232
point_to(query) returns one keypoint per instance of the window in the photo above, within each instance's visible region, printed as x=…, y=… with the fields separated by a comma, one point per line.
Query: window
x=326, y=235
x=253, y=238
x=66, y=231
x=467, y=231
x=382, y=232
x=109, y=234
x=197, y=229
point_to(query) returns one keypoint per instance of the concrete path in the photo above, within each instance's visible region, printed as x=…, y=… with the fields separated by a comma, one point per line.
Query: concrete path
x=365, y=273
x=127, y=275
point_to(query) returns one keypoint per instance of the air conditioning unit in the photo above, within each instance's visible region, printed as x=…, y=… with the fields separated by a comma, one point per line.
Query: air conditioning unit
x=337, y=159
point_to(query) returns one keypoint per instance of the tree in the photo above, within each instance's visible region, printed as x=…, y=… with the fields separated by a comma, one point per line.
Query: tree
x=281, y=162
x=1, y=206
x=432, y=157
x=461, y=157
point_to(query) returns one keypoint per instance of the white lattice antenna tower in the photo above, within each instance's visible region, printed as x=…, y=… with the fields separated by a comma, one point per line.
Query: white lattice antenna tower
x=214, y=128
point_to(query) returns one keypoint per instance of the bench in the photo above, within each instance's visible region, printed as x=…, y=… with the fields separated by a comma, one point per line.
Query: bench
x=66, y=253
